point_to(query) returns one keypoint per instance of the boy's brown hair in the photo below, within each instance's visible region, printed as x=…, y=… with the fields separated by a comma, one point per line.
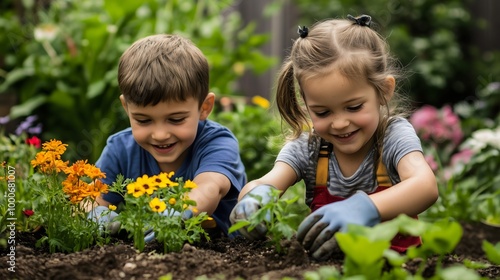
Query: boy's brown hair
x=163, y=68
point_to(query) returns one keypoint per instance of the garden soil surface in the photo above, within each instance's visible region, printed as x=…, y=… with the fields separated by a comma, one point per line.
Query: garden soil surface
x=218, y=259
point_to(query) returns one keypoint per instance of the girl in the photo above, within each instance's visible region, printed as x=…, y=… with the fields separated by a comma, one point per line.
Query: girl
x=362, y=162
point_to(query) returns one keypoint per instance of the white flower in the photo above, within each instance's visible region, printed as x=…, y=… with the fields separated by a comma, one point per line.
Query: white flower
x=46, y=32
x=482, y=138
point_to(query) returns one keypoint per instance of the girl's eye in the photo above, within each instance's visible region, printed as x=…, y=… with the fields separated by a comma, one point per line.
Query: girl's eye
x=355, y=108
x=322, y=114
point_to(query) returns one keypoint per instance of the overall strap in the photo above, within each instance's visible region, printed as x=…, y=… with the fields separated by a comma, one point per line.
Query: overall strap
x=322, y=167
x=383, y=178
x=325, y=150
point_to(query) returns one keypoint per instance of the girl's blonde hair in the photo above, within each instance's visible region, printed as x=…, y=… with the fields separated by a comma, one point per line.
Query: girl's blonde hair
x=356, y=51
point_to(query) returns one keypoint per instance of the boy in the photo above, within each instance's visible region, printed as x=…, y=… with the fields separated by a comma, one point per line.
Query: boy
x=164, y=81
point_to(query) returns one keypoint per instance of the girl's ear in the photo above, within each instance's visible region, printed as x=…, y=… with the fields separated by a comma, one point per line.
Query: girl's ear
x=207, y=106
x=390, y=86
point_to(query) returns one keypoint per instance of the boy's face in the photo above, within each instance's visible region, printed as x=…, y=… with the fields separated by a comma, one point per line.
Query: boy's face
x=167, y=129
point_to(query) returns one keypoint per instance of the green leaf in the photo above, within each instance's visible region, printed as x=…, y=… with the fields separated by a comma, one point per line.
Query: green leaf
x=492, y=252
x=238, y=225
x=354, y=246
x=27, y=107
x=96, y=88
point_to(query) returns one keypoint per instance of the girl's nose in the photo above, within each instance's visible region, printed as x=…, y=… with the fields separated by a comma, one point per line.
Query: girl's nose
x=339, y=122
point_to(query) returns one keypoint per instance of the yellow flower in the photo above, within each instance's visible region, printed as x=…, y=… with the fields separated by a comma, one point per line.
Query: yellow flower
x=157, y=205
x=172, y=201
x=161, y=180
x=135, y=189
x=112, y=207
x=190, y=184
x=260, y=101
x=147, y=184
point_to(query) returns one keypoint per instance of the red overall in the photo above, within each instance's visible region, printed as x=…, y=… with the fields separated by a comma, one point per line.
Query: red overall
x=321, y=196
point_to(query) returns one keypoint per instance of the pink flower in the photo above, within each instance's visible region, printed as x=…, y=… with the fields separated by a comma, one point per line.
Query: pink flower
x=34, y=141
x=28, y=212
x=461, y=157
x=438, y=126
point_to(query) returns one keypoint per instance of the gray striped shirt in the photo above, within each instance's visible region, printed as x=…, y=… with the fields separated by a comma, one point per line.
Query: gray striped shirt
x=302, y=155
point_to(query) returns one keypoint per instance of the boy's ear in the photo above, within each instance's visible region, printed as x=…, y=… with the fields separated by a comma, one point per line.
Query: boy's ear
x=390, y=86
x=124, y=103
x=207, y=106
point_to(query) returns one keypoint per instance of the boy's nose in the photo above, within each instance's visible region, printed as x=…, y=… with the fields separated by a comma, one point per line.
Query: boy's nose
x=160, y=134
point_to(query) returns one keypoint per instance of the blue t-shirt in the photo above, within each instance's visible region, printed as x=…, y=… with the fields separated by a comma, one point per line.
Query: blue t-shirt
x=215, y=149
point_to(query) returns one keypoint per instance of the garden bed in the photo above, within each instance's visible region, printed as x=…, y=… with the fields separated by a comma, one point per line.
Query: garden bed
x=218, y=259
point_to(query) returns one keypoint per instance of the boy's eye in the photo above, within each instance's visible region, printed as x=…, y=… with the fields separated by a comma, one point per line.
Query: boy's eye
x=355, y=108
x=177, y=120
x=143, y=121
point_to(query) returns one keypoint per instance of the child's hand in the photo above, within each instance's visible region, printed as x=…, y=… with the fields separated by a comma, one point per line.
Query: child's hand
x=247, y=206
x=316, y=232
x=105, y=218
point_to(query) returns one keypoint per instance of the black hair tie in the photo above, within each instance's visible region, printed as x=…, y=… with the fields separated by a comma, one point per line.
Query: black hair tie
x=363, y=20
x=303, y=31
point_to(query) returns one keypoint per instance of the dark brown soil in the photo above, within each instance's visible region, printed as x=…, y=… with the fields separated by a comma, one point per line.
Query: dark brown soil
x=217, y=259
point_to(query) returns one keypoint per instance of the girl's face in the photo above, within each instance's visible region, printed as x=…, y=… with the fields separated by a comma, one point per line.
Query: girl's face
x=167, y=129
x=345, y=113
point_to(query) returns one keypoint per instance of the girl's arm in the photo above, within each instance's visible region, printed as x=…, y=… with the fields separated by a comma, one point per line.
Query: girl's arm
x=282, y=176
x=416, y=192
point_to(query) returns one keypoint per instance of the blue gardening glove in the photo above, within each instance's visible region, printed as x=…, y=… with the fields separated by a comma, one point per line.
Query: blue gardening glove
x=105, y=218
x=316, y=232
x=149, y=235
x=247, y=206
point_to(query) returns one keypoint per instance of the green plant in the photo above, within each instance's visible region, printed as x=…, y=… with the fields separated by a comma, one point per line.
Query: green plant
x=16, y=151
x=158, y=204
x=439, y=238
x=257, y=131
x=492, y=251
x=61, y=61
x=471, y=194
x=280, y=216
x=61, y=193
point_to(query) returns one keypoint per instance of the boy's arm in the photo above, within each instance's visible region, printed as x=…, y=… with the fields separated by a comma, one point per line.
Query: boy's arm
x=212, y=187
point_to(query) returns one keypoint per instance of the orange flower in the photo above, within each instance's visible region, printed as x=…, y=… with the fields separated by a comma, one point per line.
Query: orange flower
x=94, y=172
x=55, y=146
x=77, y=168
x=49, y=162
